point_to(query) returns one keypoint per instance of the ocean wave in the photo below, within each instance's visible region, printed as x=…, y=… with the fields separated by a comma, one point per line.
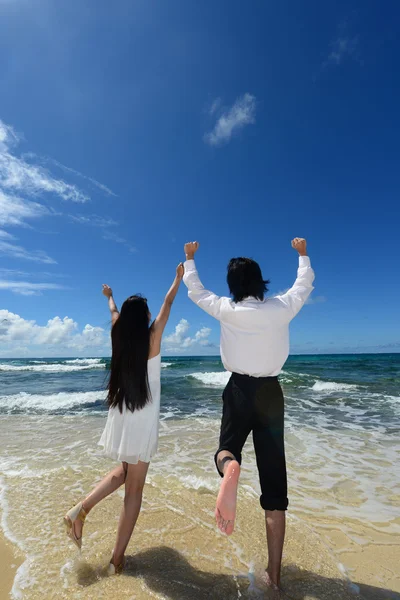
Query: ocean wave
x=165, y=365
x=199, y=483
x=52, y=367
x=84, y=361
x=219, y=379
x=49, y=402
x=332, y=386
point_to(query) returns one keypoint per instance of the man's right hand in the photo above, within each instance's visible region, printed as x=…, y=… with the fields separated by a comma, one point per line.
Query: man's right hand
x=300, y=245
x=191, y=249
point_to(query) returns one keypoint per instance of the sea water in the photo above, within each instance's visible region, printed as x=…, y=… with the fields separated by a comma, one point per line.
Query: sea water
x=343, y=450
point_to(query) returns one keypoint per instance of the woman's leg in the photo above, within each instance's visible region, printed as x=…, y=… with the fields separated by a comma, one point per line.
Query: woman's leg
x=104, y=488
x=134, y=484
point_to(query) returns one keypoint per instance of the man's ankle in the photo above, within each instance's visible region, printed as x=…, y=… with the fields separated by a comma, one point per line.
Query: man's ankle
x=274, y=577
x=224, y=462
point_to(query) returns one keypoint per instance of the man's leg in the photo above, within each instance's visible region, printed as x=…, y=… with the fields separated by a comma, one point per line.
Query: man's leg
x=268, y=437
x=225, y=511
x=234, y=431
x=275, y=521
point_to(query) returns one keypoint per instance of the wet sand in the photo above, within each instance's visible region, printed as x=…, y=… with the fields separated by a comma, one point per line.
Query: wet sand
x=176, y=551
x=10, y=560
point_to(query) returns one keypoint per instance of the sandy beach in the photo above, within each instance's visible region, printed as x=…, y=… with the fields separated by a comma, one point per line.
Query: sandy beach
x=176, y=551
x=343, y=532
x=10, y=560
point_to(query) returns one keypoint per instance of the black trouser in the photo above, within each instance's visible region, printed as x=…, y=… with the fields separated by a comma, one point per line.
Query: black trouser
x=256, y=404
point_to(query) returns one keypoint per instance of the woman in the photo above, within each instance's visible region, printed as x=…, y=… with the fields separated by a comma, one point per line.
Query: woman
x=131, y=432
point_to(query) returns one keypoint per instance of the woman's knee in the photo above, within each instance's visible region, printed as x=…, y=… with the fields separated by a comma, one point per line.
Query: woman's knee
x=134, y=488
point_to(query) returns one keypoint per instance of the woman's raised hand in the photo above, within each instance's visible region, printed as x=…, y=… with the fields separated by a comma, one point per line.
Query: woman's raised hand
x=107, y=291
x=180, y=271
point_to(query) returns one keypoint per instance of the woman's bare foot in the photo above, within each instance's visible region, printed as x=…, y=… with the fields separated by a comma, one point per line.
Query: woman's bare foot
x=225, y=511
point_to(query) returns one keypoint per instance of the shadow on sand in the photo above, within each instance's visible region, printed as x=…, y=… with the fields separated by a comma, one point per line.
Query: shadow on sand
x=167, y=572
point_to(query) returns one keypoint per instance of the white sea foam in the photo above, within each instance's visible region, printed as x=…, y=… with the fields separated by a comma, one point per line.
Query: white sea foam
x=84, y=361
x=197, y=483
x=212, y=379
x=165, y=365
x=49, y=402
x=52, y=367
x=23, y=579
x=332, y=386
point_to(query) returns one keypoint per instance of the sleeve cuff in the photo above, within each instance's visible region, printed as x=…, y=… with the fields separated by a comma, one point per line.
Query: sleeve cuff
x=189, y=265
x=304, y=261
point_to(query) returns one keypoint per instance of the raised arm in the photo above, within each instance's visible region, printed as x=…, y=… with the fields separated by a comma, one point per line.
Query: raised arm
x=163, y=316
x=205, y=299
x=108, y=293
x=294, y=299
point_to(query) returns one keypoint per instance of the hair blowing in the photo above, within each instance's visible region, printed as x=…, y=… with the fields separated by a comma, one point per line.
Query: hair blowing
x=245, y=279
x=130, y=336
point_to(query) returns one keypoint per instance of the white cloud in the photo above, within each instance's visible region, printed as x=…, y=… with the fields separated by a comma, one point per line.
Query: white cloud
x=114, y=237
x=23, y=181
x=31, y=275
x=17, y=174
x=179, y=335
x=97, y=184
x=27, y=288
x=232, y=120
x=91, y=336
x=179, y=340
x=15, y=211
x=8, y=137
x=14, y=251
x=215, y=106
x=4, y=235
x=94, y=220
x=343, y=47
x=56, y=337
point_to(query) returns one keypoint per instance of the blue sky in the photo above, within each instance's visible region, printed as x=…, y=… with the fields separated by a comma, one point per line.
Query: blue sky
x=128, y=129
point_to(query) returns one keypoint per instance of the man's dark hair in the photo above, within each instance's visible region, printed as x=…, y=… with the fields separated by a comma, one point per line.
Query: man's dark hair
x=245, y=279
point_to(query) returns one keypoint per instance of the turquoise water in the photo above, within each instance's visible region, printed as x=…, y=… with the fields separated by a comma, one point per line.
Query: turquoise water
x=359, y=391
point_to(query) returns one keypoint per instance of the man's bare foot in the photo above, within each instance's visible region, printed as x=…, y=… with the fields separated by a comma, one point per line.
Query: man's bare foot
x=267, y=579
x=225, y=510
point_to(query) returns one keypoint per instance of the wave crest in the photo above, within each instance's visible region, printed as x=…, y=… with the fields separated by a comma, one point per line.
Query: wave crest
x=219, y=379
x=332, y=386
x=49, y=402
x=67, y=366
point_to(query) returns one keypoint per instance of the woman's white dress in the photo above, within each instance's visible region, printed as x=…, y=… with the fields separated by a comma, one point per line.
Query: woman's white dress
x=133, y=436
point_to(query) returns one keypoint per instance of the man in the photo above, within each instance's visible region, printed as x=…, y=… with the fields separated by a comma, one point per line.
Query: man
x=254, y=348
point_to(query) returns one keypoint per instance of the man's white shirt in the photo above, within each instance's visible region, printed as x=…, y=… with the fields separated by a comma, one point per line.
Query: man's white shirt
x=254, y=333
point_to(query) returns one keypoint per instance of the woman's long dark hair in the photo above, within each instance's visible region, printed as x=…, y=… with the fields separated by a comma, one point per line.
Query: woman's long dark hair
x=130, y=336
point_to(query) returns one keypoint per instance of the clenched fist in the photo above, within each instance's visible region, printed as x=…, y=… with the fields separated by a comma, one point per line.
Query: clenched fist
x=191, y=249
x=300, y=245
